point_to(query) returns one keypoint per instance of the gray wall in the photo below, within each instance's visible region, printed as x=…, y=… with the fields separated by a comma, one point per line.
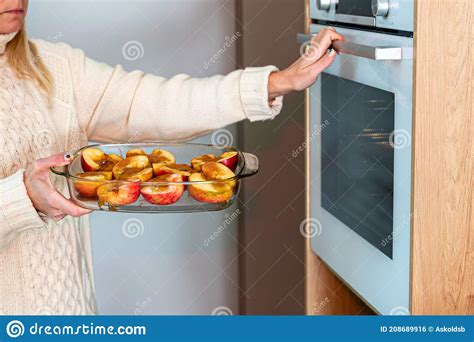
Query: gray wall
x=166, y=268
x=272, y=265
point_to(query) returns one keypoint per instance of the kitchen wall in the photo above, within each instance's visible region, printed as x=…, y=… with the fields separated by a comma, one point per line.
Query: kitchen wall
x=272, y=256
x=156, y=264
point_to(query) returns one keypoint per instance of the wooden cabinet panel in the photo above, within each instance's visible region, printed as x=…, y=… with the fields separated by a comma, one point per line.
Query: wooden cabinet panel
x=443, y=145
x=326, y=294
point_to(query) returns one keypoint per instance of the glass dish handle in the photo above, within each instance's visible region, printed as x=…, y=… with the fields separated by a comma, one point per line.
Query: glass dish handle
x=58, y=172
x=251, y=165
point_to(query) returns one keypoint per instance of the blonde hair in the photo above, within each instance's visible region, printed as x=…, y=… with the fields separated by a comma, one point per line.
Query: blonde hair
x=23, y=57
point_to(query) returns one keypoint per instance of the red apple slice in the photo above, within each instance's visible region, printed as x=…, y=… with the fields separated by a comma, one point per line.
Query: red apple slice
x=211, y=192
x=229, y=159
x=92, y=180
x=164, y=194
x=91, y=158
x=218, y=171
x=162, y=156
x=198, y=161
x=118, y=193
x=130, y=164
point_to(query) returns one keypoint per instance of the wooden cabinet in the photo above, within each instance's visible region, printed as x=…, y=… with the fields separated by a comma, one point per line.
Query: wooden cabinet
x=442, y=227
x=443, y=165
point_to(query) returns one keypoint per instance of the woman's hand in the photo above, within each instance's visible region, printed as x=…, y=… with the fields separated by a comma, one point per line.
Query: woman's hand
x=305, y=71
x=43, y=195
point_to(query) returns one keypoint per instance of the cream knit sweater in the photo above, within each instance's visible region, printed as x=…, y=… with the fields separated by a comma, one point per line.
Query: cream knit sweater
x=47, y=268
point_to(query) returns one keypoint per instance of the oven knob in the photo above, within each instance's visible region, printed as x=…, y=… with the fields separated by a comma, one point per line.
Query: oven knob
x=380, y=8
x=324, y=5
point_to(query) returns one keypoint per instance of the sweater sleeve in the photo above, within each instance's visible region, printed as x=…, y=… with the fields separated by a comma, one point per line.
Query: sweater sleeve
x=119, y=106
x=17, y=213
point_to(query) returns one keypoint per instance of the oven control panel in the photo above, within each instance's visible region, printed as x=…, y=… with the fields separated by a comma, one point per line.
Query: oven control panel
x=389, y=14
x=323, y=9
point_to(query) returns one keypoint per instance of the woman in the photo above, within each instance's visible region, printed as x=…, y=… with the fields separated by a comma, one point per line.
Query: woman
x=53, y=99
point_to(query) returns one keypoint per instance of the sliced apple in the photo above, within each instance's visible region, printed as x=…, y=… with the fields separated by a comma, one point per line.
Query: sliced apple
x=137, y=175
x=92, y=180
x=135, y=152
x=130, y=164
x=162, y=156
x=91, y=158
x=164, y=194
x=118, y=193
x=218, y=171
x=211, y=192
x=229, y=159
x=94, y=159
x=182, y=169
x=109, y=162
x=198, y=161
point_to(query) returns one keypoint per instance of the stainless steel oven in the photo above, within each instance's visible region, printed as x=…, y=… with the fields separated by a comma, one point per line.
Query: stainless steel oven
x=360, y=163
x=386, y=14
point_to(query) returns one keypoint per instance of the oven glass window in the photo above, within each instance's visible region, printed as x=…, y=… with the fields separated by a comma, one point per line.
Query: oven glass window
x=357, y=158
x=360, y=8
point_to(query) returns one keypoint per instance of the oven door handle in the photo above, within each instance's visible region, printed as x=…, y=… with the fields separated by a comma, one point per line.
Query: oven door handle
x=376, y=53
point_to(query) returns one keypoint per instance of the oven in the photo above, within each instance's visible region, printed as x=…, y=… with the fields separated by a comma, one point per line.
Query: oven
x=360, y=125
x=383, y=14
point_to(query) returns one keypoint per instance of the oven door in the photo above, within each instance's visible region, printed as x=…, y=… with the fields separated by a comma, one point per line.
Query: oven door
x=360, y=167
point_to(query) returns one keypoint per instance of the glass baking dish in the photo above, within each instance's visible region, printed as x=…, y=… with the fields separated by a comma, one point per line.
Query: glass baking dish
x=200, y=186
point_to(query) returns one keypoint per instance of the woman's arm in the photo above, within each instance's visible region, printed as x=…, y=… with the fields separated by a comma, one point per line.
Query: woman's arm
x=117, y=106
x=26, y=193
x=17, y=212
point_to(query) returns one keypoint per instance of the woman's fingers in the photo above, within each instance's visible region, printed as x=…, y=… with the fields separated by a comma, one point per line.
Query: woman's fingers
x=319, y=46
x=45, y=164
x=43, y=195
x=64, y=206
x=324, y=62
x=304, y=72
x=325, y=38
